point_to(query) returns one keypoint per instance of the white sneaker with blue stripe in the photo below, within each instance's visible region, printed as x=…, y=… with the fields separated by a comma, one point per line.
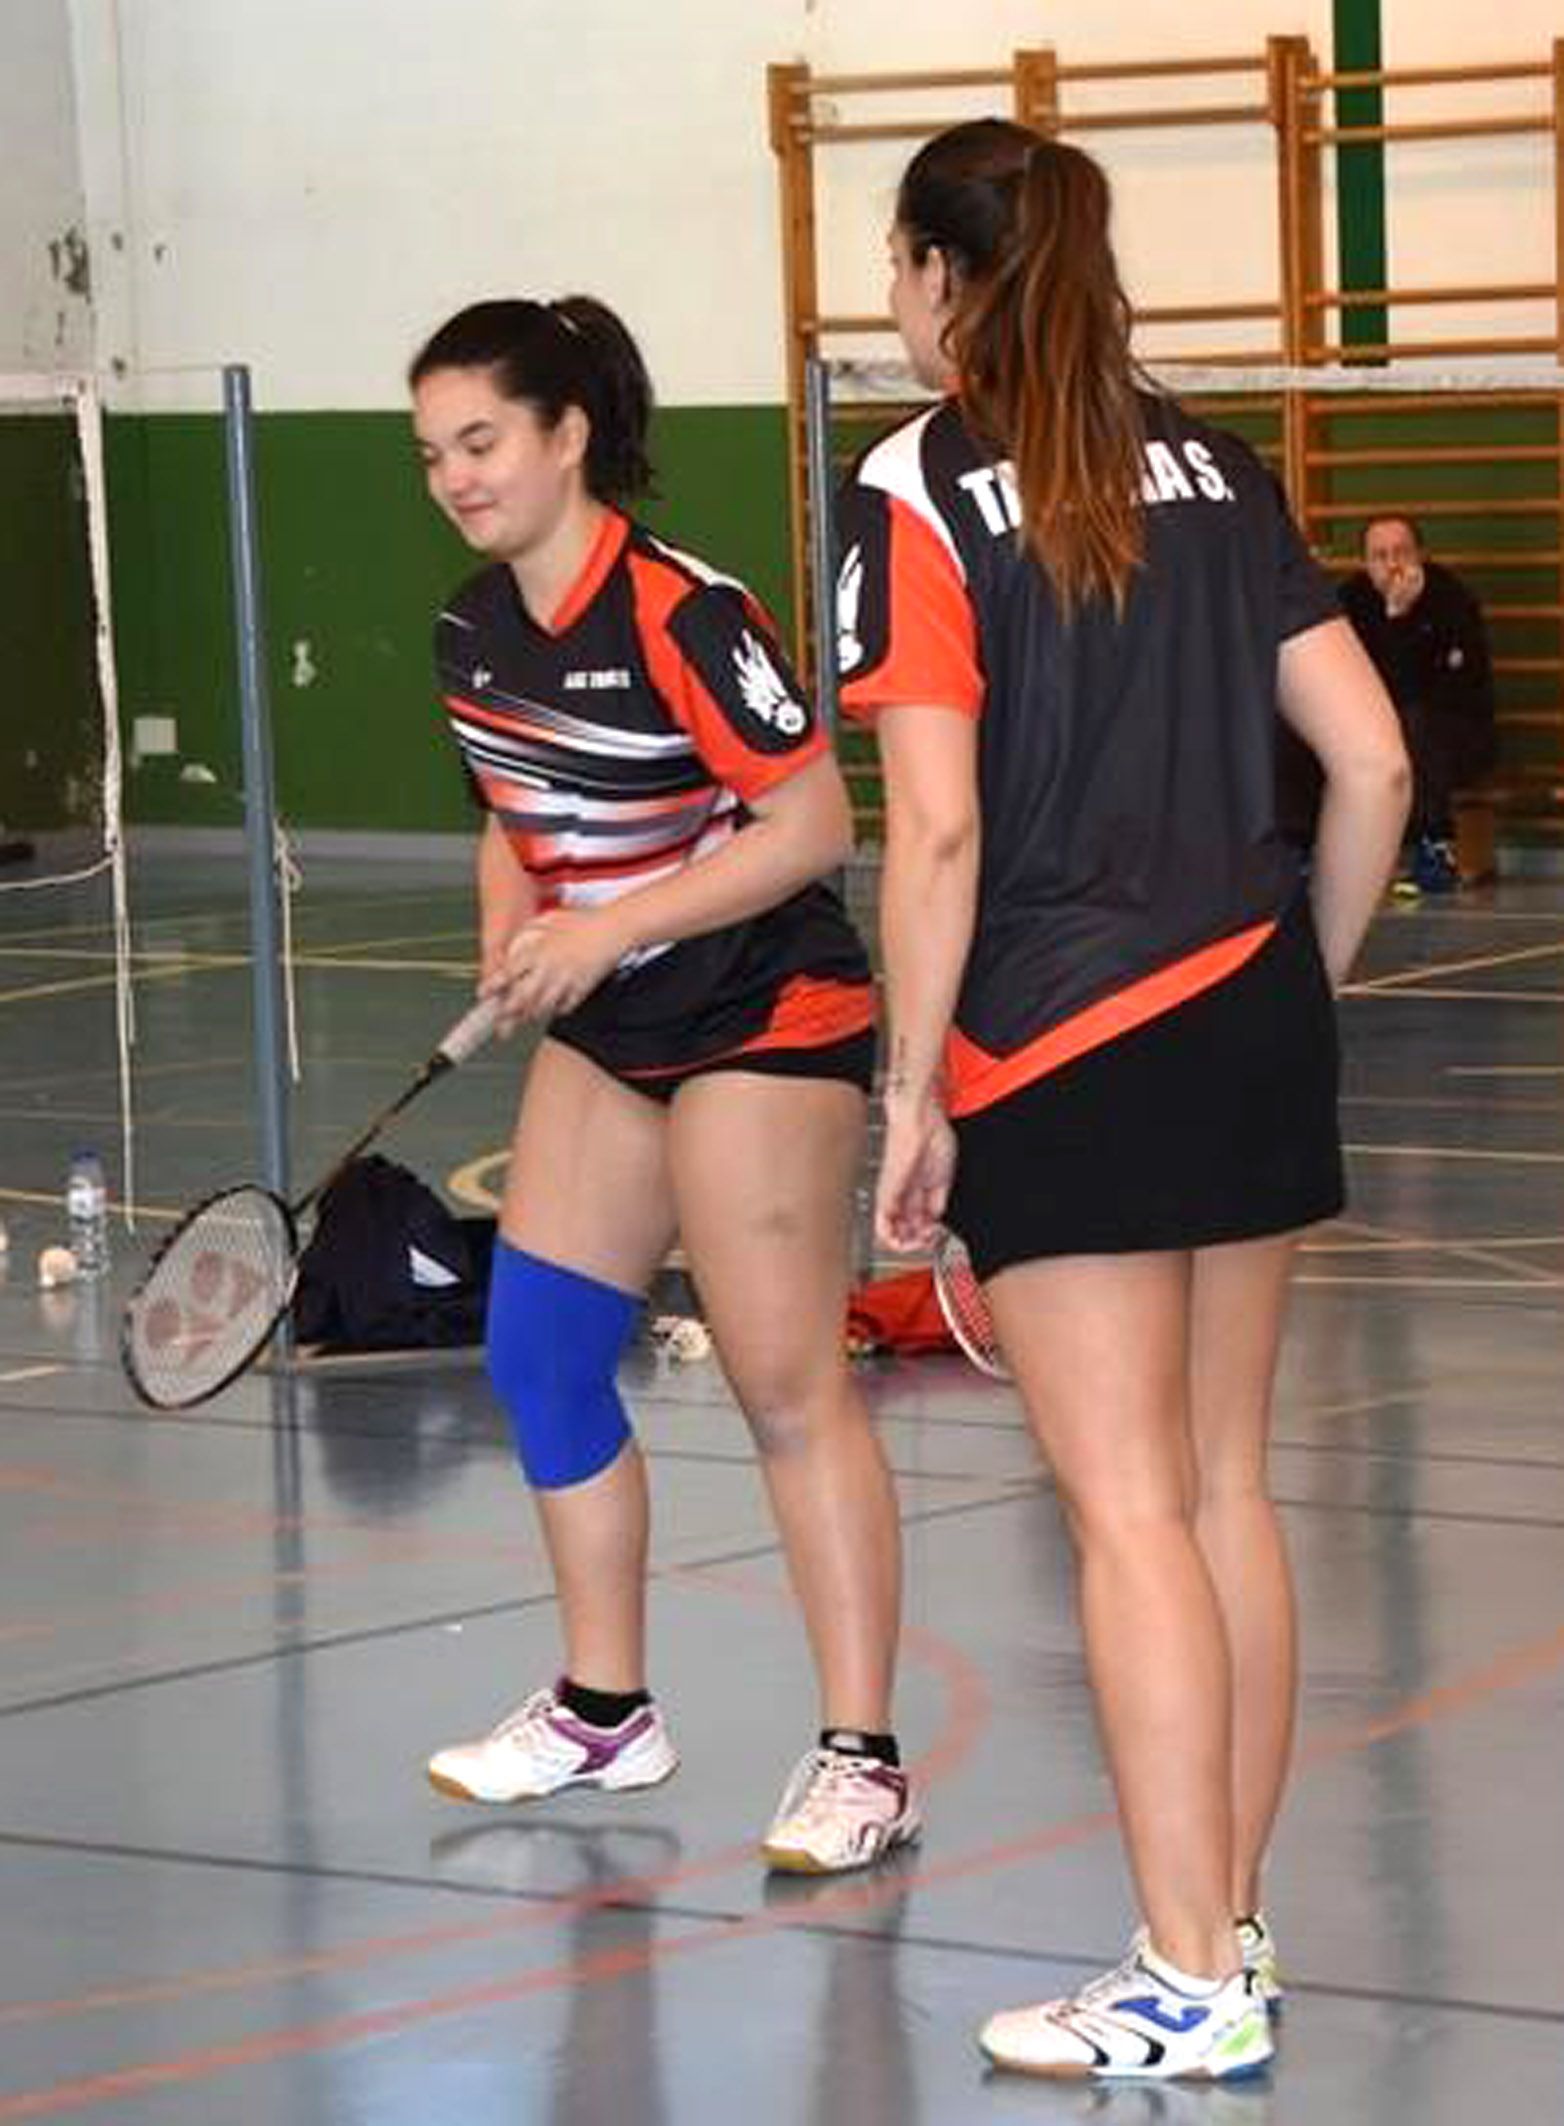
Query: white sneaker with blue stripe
x=1257, y=1944
x=1143, y=2020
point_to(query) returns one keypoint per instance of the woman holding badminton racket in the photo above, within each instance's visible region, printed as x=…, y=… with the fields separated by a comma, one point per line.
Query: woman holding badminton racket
x=663, y=810
x=1071, y=611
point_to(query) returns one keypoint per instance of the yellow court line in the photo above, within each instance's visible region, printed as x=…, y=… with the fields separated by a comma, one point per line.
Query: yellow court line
x=80, y=985
x=1468, y=966
x=159, y=955
x=144, y=1071
x=1504, y=1070
x=459, y=883
x=425, y=937
x=469, y=1183
x=116, y=1204
x=317, y=963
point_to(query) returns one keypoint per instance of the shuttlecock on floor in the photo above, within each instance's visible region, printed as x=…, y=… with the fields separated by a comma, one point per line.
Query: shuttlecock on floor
x=56, y=1265
x=689, y=1340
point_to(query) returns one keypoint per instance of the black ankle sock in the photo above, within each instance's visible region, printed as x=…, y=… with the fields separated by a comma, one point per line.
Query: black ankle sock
x=600, y=1708
x=853, y=1742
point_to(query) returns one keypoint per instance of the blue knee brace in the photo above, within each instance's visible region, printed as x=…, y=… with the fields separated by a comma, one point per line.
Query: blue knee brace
x=555, y=1339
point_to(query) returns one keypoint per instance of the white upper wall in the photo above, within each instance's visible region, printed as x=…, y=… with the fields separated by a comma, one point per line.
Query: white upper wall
x=43, y=302
x=311, y=185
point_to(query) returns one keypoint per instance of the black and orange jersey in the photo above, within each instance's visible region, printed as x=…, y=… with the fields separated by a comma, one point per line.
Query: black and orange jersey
x=625, y=740
x=1130, y=854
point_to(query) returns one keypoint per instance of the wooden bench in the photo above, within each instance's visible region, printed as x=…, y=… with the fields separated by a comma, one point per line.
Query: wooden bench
x=1535, y=796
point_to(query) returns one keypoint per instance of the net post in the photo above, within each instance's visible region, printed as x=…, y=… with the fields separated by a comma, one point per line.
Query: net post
x=259, y=805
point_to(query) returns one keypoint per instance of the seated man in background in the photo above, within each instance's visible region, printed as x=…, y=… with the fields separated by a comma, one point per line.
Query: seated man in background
x=1424, y=631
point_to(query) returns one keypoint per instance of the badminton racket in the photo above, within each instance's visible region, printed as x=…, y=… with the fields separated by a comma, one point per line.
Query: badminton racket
x=964, y=1306
x=221, y=1282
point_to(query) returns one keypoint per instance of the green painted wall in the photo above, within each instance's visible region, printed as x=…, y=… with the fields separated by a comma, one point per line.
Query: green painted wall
x=50, y=725
x=356, y=563
x=1360, y=172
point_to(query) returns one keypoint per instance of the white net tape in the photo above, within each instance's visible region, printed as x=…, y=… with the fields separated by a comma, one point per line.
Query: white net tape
x=858, y=379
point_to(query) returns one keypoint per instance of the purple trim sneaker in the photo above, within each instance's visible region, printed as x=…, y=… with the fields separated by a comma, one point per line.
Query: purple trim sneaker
x=838, y=1812
x=542, y=1747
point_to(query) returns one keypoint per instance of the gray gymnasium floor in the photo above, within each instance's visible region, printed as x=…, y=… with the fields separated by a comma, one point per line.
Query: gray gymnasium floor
x=229, y=1638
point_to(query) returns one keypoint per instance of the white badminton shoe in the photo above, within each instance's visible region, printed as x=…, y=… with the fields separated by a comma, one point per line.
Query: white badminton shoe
x=1144, y=2021
x=1258, y=1946
x=838, y=1812
x=543, y=1747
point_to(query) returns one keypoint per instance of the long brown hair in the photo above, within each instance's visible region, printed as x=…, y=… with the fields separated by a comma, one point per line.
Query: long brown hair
x=1039, y=336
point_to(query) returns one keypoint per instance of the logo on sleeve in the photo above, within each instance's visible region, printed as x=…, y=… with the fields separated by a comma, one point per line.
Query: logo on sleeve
x=849, y=603
x=766, y=693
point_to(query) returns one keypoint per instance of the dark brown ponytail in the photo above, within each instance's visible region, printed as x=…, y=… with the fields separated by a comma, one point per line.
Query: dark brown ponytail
x=1039, y=336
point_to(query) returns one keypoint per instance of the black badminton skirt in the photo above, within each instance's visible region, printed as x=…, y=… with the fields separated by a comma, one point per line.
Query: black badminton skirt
x=1214, y=1122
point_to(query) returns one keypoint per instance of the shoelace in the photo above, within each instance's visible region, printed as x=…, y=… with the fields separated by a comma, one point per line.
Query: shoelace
x=530, y=1713
x=1131, y=1972
x=830, y=1777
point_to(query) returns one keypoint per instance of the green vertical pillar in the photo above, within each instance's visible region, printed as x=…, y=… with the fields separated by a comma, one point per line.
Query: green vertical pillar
x=1360, y=171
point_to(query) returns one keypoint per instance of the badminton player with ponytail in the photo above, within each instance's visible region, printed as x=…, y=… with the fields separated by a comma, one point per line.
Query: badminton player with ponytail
x=1071, y=612
x=662, y=812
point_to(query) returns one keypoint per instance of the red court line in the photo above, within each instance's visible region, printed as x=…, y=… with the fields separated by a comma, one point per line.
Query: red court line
x=1505, y=1671
x=965, y=1718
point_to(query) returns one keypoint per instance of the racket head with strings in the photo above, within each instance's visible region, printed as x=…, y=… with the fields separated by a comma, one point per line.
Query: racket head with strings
x=216, y=1289
x=211, y=1297
x=962, y=1302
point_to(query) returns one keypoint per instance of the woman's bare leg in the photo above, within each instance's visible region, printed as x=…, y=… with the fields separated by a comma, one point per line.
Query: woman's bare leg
x=587, y=1189
x=1100, y=1349
x=763, y=1170
x=1238, y=1303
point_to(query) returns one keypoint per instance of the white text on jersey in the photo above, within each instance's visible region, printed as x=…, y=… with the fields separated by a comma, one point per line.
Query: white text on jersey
x=1165, y=479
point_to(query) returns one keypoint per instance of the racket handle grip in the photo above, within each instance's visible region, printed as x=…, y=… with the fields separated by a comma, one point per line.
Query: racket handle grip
x=470, y=1032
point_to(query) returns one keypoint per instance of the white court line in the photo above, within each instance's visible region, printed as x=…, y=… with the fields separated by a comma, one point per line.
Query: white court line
x=1362, y=1405
x=1415, y=1246
x=28, y=1373
x=1450, y=1103
x=1444, y=1151
x=1458, y=996
x=1438, y=1284
x=1474, y=1254
x=1466, y=966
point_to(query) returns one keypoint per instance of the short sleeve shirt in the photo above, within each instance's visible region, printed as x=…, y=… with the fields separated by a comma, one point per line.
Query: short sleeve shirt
x=1126, y=762
x=627, y=739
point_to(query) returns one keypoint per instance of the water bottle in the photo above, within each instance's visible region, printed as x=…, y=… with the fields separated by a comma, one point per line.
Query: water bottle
x=87, y=1207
